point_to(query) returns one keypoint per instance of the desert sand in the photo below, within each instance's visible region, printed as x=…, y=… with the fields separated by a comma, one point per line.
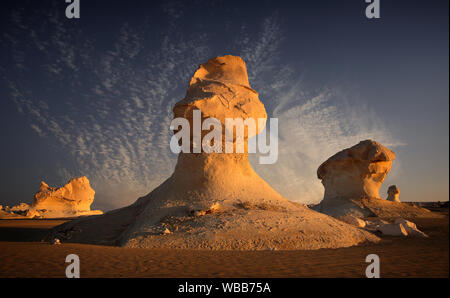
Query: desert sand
x=22, y=255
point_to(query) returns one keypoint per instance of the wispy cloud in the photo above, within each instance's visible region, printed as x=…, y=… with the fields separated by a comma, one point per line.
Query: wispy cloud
x=115, y=122
x=116, y=105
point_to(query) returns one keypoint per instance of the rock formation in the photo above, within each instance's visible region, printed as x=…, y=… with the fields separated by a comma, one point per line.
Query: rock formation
x=72, y=200
x=356, y=172
x=392, y=230
x=352, y=179
x=393, y=193
x=6, y=213
x=410, y=227
x=22, y=207
x=215, y=200
x=353, y=220
x=400, y=227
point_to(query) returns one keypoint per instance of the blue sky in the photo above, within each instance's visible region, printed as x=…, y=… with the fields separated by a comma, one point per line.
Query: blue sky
x=93, y=96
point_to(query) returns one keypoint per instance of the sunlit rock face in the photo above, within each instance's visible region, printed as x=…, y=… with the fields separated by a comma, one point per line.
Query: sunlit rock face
x=220, y=89
x=393, y=193
x=356, y=172
x=352, y=179
x=73, y=199
x=400, y=227
x=215, y=200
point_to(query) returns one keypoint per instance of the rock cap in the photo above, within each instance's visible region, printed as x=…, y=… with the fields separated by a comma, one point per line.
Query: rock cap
x=226, y=69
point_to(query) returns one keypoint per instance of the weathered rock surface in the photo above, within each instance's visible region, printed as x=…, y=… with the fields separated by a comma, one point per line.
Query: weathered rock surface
x=220, y=90
x=399, y=227
x=72, y=200
x=410, y=228
x=5, y=214
x=216, y=200
x=393, y=230
x=353, y=220
x=352, y=179
x=22, y=207
x=393, y=193
x=355, y=172
x=386, y=209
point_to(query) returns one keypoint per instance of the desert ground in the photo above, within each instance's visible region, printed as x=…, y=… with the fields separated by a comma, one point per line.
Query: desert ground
x=22, y=254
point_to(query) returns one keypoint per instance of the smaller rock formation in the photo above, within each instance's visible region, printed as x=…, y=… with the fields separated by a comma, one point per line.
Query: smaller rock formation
x=393, y=193
x=400, y=227
x=393, y=230
x=410, y=228
x=14, y=212
x=22, y=207
x=352, y=179
x=72, y=200
x=353, y=220
x=353, y=174
x=356, y=172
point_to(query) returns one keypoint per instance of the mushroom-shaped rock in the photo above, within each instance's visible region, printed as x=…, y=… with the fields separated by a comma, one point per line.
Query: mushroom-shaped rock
x=393, y=193
x=216, y=200
x=356, y=172
x=352, y=179
x=352, y=175
x=219, y=89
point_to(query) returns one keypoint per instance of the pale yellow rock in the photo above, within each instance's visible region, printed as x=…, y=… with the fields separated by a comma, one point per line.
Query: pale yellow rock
x=353, y=220
x=352, y=180
x=15, y=212
x=410, y=228
x=393, y=193
x=386, y=209
x=373, y=225
x=217, y=200
x=356, y=172
x=220, y=89
x=10, y=215
x=72, y=200
x=22, y=207
x=33, y=213
x=393, y=230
